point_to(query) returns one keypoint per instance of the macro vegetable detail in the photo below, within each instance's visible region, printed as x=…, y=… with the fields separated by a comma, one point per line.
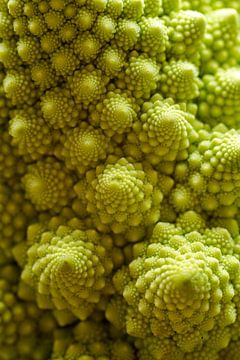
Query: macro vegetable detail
x=120, y=177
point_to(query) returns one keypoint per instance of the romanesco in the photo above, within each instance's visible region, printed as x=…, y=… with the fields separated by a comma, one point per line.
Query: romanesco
x=119, y=179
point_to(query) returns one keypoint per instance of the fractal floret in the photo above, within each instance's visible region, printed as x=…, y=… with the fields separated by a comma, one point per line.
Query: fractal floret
x=69, y=270
x=123, y=197
x=119, y=179
x=182, y=285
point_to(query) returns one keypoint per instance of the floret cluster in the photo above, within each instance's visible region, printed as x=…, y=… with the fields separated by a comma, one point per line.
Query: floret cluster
x=119, y=180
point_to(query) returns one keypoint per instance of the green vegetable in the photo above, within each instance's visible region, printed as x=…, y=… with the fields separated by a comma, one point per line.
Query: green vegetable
x=119, y=179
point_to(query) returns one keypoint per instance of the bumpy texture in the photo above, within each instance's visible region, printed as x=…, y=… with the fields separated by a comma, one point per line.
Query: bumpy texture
x=69, y=271
x=119, y=179
x=165, y=130
x=25, y=330
x=48, y=185
x=180, y=287
x=122, y=197
x=91, y=340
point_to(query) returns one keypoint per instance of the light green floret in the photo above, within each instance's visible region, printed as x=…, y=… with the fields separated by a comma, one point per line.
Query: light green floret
x=87, y=85
x=127, y=34
x=153, y=8
x=192, y=221
x=186, y=33
x=29, y=50
x=19, y=87
x=25, y=331
x=84, y=147
x=140, y=76
x=87, y=47
x=153, y=37
x=64, y=61
x=84, y=19
x=31, y=134
x=133, y=9
x=50, y=42
x=44, y=75
x=114, y=8
x=220, y=42
x=124, y=197
x=222, y=157
x=219, y=99
x=48, y=185
x=104, y=28
x=181, y=291
x=68, y=271
x=15, y=7
x=97, y=6
x=219, y=237
x=54, y=19
x=165, y=130
x=59, y=108
x=183, y=198
x=210, y=182
x=111, y=61
x=179, y=80
x=20, y=26
x=68, y=32
x=37, y=25
x=115, y=113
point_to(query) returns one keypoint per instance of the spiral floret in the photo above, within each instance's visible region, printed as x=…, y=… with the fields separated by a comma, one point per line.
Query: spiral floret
x=19, y=87
x=121, y=197
x=84, y=147
x=141, y=75
x=127, y=34
x=87, y=85
x=164, y=130
x=181, y=291
x=153, y=37
x=87, y=47
x=225, y=151
x=179, y=80
x=48, y=185
x=116, y=113
x=31, y=134
x=223, y=90
x=111, y=61
x=68, y=271
x=59, y=108
x=186, y=34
